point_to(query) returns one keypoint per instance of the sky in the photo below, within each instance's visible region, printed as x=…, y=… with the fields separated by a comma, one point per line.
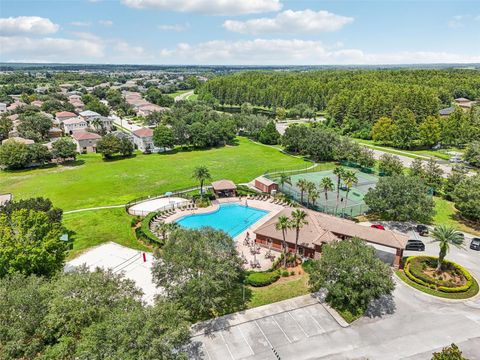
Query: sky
x=240, y=32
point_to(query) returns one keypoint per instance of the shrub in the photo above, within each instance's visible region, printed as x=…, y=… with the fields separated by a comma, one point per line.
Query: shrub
x=263, y=278
x=285, y=273
x=292, y=273
x=307, y=265
x=144, y=232
x=413, y=270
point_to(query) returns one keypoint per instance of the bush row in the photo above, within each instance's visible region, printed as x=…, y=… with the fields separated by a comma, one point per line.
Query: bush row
x=144, y=232
x=427, y=282
x=262, y=278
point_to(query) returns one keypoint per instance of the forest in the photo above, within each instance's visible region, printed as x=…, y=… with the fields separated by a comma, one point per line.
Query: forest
x=352, y=99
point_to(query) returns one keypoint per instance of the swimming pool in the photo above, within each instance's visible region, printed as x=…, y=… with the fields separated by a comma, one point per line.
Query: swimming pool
x=231, y=218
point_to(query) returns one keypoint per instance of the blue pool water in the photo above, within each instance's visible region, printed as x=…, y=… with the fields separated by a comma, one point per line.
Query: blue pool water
x=231, y=218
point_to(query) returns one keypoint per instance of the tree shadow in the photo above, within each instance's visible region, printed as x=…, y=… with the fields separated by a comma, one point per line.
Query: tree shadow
x=119, y=157
x=194, y=350
x=73, y=163
x=468, y=223
x=384, y=305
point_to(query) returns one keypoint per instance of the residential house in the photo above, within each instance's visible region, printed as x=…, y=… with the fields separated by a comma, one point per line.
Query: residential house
x=54, y=133
x=464, y=103
x=93, y=119
x=147, y=109
x=323, y=229
x=86, y=141
x=64, y=115
x=143, y=139
x=74, y=124
x=447, y=111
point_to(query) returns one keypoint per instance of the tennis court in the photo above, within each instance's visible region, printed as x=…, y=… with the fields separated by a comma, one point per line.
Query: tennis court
x=353, y=206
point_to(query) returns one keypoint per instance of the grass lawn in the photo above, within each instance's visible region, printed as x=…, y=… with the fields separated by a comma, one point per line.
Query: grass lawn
x=95, y=182
x=96, y=227
x=446, y=214
x=284, y=288
x=177, y=93
x=465, y=295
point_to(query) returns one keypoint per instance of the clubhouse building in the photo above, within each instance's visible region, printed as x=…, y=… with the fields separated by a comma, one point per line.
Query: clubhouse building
x=323, y=229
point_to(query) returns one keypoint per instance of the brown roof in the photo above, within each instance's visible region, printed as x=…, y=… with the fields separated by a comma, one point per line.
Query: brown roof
x=143, y=132
x=73, y=121
x=265, y=181
x=65, y=114
x=324, y=228
x=85, y=135
x=221, y=185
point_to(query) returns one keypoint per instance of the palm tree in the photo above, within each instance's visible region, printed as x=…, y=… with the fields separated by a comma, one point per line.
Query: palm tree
x=302, y=186
x=297, y=221
x=201, y=173
x=311, y=189
x=284, y=179
x=163, y=229
x=350, y=179
x=283, y=224
x=338, y=171
x=327, y=185
x=446, y=236
x=314, y=194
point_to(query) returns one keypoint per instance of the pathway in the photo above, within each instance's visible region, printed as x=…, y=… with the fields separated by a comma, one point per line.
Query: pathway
x=94, y=208
x=183, y=96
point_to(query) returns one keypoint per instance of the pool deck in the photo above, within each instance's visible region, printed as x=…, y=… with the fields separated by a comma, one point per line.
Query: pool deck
x=272, y=209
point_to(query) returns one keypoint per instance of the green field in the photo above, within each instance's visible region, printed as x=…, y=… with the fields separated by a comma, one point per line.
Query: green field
x=180, y=92
x=93, y=182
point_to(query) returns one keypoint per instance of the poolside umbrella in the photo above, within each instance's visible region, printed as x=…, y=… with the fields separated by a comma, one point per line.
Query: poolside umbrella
x=168, y=193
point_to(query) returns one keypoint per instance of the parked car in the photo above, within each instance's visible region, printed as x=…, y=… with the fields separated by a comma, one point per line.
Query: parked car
x=378, y=226
x=475, y=244
x=415, y=245
x=422, y=230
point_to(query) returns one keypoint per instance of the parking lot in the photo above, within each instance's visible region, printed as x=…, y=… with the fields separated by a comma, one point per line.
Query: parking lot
x=259, y=337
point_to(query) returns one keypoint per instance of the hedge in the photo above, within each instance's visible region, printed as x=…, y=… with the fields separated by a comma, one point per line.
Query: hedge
x=144, y=231
x=262, y=278
x=425, y=281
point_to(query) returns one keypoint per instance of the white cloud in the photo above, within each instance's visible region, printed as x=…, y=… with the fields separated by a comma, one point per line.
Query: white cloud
x=106, y=23
x=295, y=52
x=174, y=27
x=290, y=21
x=456, y=22
x=53, y=49
x=27, y=25
x=210, y=7
x=81, y=23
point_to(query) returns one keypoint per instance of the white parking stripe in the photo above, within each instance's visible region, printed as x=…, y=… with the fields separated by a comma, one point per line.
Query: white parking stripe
x=228, y=348
x=265, y=336
x=275, y=321
x=300, y=326
x=244, y=338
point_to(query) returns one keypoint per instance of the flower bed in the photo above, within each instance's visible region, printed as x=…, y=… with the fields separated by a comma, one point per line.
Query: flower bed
x=455, y=279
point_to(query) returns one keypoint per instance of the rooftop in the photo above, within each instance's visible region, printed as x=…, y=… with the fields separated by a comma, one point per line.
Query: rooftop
x=143, y=132
x=65, y=114
x=89, y=113
x=322, y=228
x=223, y=185
x=85, y=135
x=74, y=121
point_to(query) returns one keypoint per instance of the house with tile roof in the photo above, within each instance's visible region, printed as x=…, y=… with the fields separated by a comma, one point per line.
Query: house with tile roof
x=143, y=139
x=86, y=141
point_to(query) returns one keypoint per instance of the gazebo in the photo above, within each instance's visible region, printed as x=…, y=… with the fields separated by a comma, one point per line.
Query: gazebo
x=224, y=188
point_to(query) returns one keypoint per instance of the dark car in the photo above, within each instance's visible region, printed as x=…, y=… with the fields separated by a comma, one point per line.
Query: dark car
x=475, y=244
x=422, y=230
x=378, y=226
x=415, y=245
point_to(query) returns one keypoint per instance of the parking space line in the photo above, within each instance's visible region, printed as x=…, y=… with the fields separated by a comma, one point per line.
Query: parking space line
x=275, y=321
x=244, y=338
x=316, y=322
x=265, y=336
x=221, y=335
x=208, y=354
x=300, y=326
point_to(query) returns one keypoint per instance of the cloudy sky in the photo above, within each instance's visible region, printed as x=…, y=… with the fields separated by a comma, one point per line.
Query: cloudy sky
x=240, y=31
